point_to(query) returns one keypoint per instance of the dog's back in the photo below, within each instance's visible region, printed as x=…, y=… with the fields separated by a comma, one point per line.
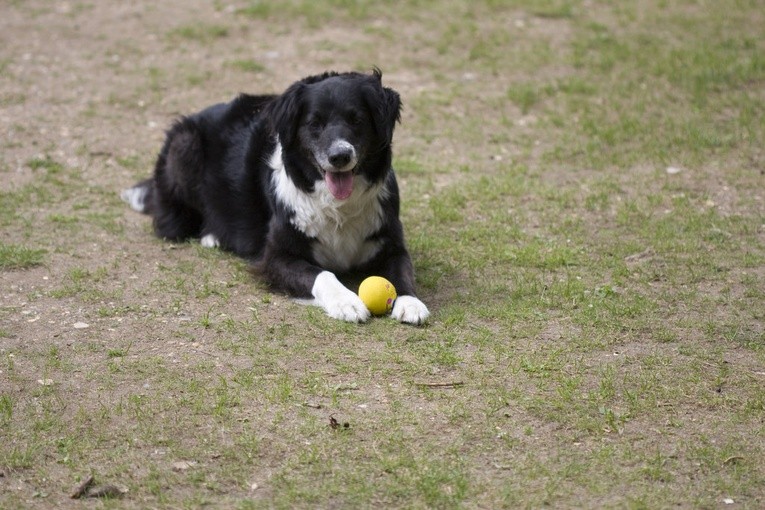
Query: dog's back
x=197, y=174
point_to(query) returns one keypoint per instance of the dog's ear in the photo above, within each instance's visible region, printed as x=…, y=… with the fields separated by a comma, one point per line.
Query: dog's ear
x=386, y=108
x=284, y=113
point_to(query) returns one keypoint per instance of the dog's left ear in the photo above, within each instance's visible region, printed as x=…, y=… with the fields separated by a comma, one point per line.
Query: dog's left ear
x=386, y=108
x=284, y=113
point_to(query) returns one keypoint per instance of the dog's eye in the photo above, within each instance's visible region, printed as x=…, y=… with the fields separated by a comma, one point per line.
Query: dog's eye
x=354, y=119
x=314, y=123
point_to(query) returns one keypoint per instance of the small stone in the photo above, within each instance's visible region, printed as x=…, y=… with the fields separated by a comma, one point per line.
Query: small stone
x=673, y=170
x=80, y=325
x=183, y=465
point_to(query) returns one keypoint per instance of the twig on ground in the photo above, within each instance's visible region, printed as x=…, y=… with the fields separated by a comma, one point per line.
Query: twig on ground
x=107, y=492
x=446, y=384
x=83, y=488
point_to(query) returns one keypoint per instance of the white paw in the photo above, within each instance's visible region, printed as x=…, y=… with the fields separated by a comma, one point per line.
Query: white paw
x=411, y=310
x=209, y=241
x=348, y=308
x=338, y=301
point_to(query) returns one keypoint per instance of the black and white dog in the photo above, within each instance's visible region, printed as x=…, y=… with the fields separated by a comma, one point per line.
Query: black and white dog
x=300, y=184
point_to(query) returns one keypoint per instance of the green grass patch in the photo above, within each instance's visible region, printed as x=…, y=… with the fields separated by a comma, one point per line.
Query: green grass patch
x=199, y=32
x=246, y=65
x=20, y=257
x=312, y=13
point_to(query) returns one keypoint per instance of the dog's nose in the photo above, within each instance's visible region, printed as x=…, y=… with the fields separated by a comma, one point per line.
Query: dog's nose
x=341, y=154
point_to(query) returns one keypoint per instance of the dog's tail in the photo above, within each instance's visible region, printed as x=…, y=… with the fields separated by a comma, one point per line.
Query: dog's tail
x=139, y=196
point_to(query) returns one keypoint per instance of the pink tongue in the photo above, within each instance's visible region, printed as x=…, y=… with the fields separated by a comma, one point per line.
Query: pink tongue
x=340, y=184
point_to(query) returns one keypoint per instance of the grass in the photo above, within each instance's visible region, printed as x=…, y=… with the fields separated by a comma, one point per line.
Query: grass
x=199, y=32
x=19, y=257
x=247, y=65
x=597, y=334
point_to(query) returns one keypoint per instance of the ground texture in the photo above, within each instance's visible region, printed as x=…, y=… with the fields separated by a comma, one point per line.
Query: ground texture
x=583, y=197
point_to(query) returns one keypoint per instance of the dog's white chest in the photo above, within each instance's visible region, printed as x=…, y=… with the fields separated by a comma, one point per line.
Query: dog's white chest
x=340, y=229
x=341, y=245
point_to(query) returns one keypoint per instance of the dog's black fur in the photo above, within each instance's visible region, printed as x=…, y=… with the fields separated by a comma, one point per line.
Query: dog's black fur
x=299, y=183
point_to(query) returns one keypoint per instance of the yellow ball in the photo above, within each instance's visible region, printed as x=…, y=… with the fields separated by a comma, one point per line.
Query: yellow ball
x=378, y=294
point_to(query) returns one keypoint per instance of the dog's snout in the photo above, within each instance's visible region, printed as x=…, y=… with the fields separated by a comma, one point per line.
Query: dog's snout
x=341, y=155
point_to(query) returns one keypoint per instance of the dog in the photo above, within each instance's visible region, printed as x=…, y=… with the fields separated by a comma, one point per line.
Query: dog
x=300, y=184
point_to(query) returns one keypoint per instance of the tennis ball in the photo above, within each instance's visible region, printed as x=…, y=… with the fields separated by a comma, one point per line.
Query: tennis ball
x=378, y=294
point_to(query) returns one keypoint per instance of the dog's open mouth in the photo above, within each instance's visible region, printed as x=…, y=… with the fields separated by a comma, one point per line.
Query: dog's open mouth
x=340, y=184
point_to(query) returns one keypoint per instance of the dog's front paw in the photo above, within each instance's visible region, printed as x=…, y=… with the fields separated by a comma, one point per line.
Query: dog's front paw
x=348, y=308
x=337, y=300
x=411, y=310
x=210, y=241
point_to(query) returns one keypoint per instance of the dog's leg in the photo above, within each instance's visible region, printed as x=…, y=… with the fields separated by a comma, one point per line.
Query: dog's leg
x=411, y=310
x=407, y=307
x=176, y=205
x=337, y=300
x=209, y=241
x=298, y=277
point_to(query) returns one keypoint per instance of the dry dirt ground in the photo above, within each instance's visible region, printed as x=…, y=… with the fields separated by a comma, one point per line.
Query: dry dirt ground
x=166, y=370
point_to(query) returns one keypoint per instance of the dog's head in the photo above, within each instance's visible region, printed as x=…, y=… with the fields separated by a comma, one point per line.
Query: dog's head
x=334, y=127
